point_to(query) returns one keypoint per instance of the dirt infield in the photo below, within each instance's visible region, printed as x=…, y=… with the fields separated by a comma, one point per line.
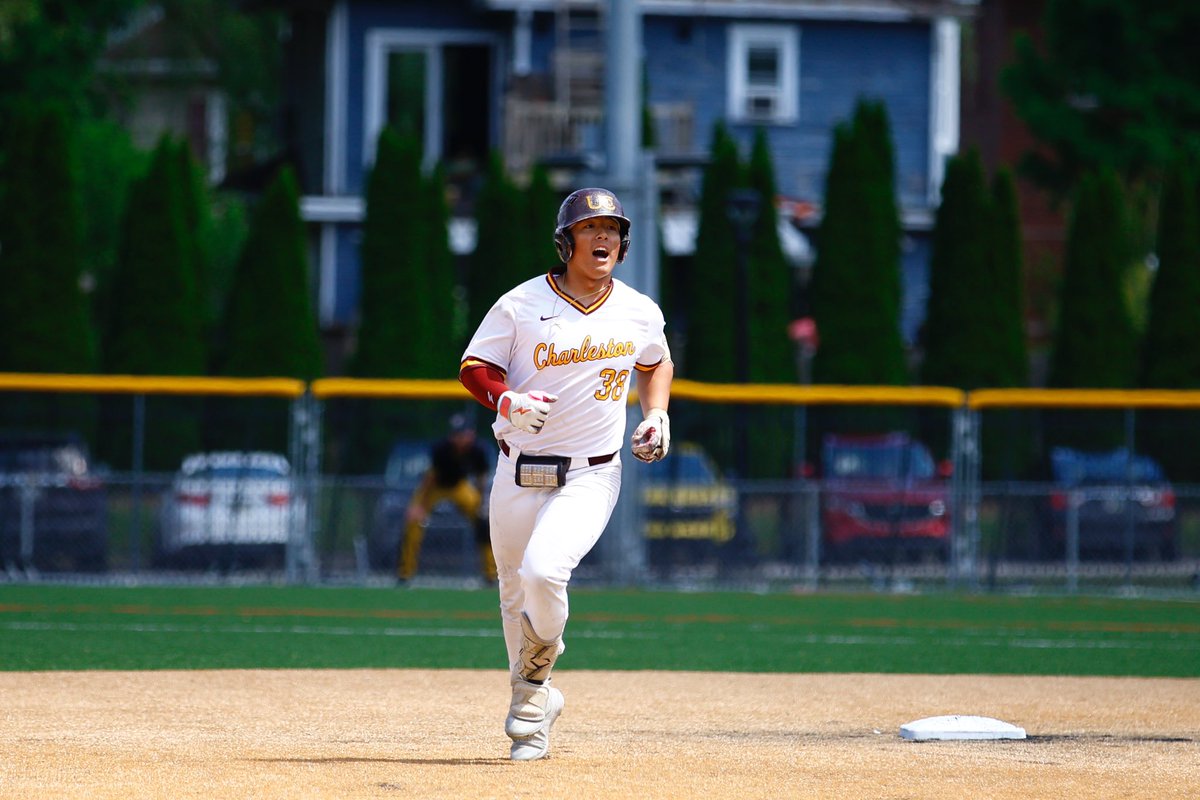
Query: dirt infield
x=439, y=734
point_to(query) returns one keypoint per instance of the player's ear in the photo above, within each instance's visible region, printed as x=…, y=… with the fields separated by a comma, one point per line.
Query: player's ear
x=564, y=242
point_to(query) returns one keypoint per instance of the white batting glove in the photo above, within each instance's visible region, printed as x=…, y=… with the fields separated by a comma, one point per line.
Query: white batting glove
x=652, y=438
x=527, y=411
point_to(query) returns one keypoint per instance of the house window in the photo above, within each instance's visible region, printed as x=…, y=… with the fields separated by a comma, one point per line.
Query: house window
x=435, y=85
x=763, y=73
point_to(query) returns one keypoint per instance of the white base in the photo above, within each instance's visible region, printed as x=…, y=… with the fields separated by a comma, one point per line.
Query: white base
x=959, y=726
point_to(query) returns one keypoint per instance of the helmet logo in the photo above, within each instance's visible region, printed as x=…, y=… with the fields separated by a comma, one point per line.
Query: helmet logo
x=601, y=202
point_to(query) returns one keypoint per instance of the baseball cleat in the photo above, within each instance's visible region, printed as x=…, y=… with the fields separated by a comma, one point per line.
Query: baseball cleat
x=538, y=745
x=528, y=709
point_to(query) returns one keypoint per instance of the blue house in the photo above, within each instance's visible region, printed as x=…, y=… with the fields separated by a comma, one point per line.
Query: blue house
x=528, y=78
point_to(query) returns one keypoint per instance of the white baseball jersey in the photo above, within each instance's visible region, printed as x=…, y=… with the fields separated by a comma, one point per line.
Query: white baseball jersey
x=544, y=340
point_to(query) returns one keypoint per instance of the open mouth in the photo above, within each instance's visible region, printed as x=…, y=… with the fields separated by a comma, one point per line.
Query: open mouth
x=600, y=252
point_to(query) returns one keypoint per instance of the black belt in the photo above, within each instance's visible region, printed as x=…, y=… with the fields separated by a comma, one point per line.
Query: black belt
x=592, y=461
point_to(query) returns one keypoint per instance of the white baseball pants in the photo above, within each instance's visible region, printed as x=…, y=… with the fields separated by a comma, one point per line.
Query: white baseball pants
x=538, y=537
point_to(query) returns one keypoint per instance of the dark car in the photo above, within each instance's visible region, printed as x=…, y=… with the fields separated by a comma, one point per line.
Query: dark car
x=407, y=463
x=686, y=499
x=53, y=507
x=1113, y=491
x=884, y=496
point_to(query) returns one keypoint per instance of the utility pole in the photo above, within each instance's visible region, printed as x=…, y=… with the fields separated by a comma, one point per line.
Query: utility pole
x=630, y=173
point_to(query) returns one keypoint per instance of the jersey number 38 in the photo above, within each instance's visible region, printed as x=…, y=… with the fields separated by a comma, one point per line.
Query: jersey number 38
x=614, y=384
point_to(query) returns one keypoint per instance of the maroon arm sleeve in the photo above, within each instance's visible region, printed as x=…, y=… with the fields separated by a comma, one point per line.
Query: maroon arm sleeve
x=484, y=381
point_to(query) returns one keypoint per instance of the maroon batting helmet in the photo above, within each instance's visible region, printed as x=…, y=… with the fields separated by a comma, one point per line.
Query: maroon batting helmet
x=584, y=204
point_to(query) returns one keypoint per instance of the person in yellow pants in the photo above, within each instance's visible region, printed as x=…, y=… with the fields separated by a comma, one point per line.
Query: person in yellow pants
x=458, y=472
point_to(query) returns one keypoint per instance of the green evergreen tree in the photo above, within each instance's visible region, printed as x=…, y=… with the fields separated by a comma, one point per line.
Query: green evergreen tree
x=1094, y=346
x=395, y=309
x=443, y=341
x=198, y=223
x=1171, y=349
x=973, y=333
x=269, y=324
x=230, y=227
x=772, y=357
x=963, y=345
x=542, y=203
x=853, y=290
x=772, y=353
x=45, y=323
x=709, y=342
x=400, y=308
x=1008, y=267
x=154, y=325
x=503, y=246
x=109, y=163
x=1095, y=343
x=873, y=134
x=1008, y=442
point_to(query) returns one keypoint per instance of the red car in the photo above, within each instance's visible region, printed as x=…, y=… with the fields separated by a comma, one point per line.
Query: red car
x=883, y=497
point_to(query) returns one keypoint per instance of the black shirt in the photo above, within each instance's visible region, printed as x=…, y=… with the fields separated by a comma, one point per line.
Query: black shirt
x=451, y=465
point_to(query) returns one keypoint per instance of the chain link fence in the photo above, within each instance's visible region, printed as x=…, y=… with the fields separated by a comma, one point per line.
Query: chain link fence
x=768, y=488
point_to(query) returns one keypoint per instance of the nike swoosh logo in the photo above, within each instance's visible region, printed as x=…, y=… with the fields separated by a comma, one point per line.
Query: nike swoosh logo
x=552, y=316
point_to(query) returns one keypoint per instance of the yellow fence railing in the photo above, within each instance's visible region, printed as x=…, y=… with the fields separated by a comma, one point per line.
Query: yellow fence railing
x=151, y=384
x=1082, y=398
x=683, y=389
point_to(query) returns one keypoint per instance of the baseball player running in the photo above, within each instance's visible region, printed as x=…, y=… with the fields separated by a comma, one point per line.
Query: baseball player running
x=556, y=357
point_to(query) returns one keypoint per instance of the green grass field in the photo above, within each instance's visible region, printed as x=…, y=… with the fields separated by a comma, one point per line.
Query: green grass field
x=58, y=627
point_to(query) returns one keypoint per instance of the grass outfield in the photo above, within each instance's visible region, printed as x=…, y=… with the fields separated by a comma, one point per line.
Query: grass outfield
x=57, y=627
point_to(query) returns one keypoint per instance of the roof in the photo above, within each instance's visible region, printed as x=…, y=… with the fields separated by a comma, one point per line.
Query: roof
x=866, y=10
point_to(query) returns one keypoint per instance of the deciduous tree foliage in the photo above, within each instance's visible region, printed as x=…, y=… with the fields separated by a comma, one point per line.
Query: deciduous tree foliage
x=49, y=50
x=1114, y=86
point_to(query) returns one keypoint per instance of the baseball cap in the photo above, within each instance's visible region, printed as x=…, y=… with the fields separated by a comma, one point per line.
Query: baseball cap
x=458, y=423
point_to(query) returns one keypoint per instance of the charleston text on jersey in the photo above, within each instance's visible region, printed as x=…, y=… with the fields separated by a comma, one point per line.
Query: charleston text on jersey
x=544, y=355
